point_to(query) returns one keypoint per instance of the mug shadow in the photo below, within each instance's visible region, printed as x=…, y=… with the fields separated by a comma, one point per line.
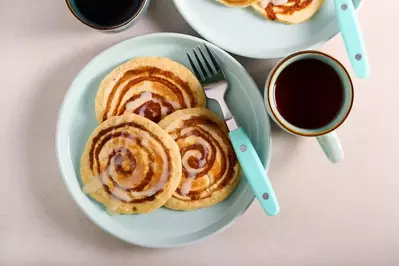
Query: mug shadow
x=285, y=147
x=46, y=185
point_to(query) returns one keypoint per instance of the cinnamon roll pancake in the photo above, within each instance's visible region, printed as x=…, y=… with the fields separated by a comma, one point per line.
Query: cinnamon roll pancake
x=238, y=3
x=210, y=167
x=131, y=165
x=152, y=87
x=288, y=11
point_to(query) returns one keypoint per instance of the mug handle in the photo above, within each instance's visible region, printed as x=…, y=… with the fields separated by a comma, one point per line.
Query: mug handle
x=332, y=147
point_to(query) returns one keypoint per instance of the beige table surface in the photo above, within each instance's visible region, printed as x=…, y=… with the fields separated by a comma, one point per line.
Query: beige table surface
x=345, y=214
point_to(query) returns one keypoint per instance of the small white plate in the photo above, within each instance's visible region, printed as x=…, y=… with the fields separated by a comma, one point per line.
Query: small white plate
x=244, y=32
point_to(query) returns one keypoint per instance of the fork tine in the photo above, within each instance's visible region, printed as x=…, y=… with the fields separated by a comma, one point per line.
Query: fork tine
x=196, y=72
x=200, y=64
x=210, y=69
x=214, y=61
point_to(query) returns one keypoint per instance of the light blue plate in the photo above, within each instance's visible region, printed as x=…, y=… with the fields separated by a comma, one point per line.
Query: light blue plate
x=162, y=228
x=244, y=32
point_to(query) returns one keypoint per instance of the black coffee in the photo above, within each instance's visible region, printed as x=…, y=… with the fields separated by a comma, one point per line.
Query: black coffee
x=309, y=94
x=108, y=13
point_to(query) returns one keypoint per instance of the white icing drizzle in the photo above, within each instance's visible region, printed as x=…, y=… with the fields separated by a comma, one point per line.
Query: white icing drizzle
x=164, y=110
x=174, y=104
x=116, y=190
x=104, y=177
x=186, y=130
x=204, y=193
x=93, y=186
x=96, y=183
x=165, y=173
x=196, y=154
x=177, y=124
x=142, y=110
x=186, y=187
x=192, y=172
x=145, y=96
x=120, y=194
x=134, y=178
x=114, y=204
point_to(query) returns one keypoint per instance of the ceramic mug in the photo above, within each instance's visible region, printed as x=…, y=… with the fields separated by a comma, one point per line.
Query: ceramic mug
x=142, y=9
x=326, y=136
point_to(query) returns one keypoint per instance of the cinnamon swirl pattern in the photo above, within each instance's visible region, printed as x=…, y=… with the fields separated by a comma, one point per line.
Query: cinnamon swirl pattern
x=131, y=165
x=210, y=168
x=153, y=87
x=288, y=11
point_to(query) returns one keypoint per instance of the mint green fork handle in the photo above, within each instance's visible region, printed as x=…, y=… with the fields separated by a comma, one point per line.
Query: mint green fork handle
x=352, y=35
x=254, y=171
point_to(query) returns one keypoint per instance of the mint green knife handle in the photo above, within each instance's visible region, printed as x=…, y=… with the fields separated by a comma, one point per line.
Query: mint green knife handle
x=352, y=35
x=254, y=171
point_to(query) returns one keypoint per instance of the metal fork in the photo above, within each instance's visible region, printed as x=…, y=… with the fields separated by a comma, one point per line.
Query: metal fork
x=215, y=84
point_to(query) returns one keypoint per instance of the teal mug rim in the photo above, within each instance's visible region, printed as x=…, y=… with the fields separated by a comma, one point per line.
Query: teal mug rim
x=97, y=27
x=292, y=129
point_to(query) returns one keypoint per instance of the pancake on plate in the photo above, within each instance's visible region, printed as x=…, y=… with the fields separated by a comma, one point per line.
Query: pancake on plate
x=288, y=11
x=238, y=3
x=152, y=87
x=210, y=167
x=131, y=165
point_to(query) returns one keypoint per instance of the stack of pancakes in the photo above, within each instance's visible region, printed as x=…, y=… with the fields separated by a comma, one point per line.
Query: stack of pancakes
x=156, y=144
x=285, y=11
